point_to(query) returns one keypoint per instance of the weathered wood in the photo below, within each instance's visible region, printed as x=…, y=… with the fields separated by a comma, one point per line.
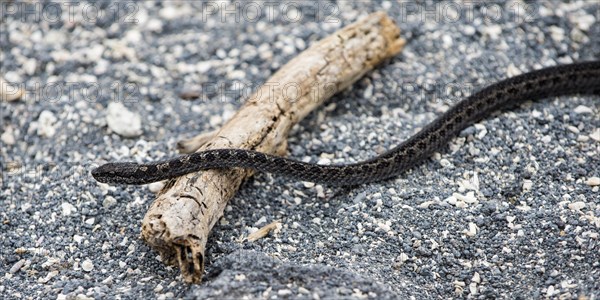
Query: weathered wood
x=179, y=221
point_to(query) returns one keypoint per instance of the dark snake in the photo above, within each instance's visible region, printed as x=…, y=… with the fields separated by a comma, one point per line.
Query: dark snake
x=577, y=78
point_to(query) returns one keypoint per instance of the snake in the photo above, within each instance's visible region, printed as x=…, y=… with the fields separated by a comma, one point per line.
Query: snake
x=569, y=79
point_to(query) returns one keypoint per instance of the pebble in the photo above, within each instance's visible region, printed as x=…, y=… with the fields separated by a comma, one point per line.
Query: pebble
x=469, y=198
x=17, y=266
x=527, y=185
x=578, y=205
x=583, y=138
x=87, y=265
x=493, y=31
x=308, y=184
x=48, y=277
x=29, y=66
x=582, y=109
x=573, y=129
x=169, y=13
x=557, y=33
x=469, y=30
x=8, y=137
x=122, y=121
x=593, y=181
x=45, y=124
x=155, y=187
x=595, y=135
x=67, y=208
x=472, y=231
x=109, y=201
x=546, y=139
x=582, y=21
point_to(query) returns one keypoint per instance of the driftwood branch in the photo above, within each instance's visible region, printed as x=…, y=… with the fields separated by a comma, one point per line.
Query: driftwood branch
x=179, y=221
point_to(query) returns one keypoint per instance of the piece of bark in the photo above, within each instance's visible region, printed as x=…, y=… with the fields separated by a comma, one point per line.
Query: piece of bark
x=179, y=221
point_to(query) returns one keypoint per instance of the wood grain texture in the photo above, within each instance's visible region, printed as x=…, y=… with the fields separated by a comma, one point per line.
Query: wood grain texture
x=179, y=221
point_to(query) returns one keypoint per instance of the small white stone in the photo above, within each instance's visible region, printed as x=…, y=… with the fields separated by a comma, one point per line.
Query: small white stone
x=472, y=231
x=87, y=265
x=451, y=200
x=583, y=138
x=593, y=181
x=155, y=187
x=7, y=137
x=45, y=124
x=262, y=219
x=578, y=205
x=284, y=292
x=78, y=239
x=368, y=93
x=582, y=21
x=95, y=52
x=426, y=204
x=445, y=163
x=546, y=139
x=308, y=184
x=557, y=33
x=240, y=277
x=446, y=41
x=511, y=71
x=123, y=121
x=204, y=66
x=155, y=25
x=550, y=291
x=49, y=276
x=17, y=266
x=169, y=13
x=595, y=135
x=385, y=226
x=469, y=30
x=493, y=31
x=527, y=185
x=109, y=201
x=469, y=198
x=29, y=66
x=316, y=220
x=573, y=129
x=320, y=191
x=90, y=221
x=582, y=109
x=403, y=257
x=67, y=208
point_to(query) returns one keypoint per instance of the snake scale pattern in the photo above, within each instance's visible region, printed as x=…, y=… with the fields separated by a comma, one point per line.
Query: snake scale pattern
x=577, y=78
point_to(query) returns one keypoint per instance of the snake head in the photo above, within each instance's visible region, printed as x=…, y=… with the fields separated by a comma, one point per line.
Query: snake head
x=115, y=173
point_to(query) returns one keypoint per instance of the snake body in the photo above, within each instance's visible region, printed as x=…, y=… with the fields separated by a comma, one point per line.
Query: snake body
x=577, y=78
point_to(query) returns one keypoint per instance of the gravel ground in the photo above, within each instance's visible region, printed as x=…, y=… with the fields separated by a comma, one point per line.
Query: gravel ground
x=510, y=210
